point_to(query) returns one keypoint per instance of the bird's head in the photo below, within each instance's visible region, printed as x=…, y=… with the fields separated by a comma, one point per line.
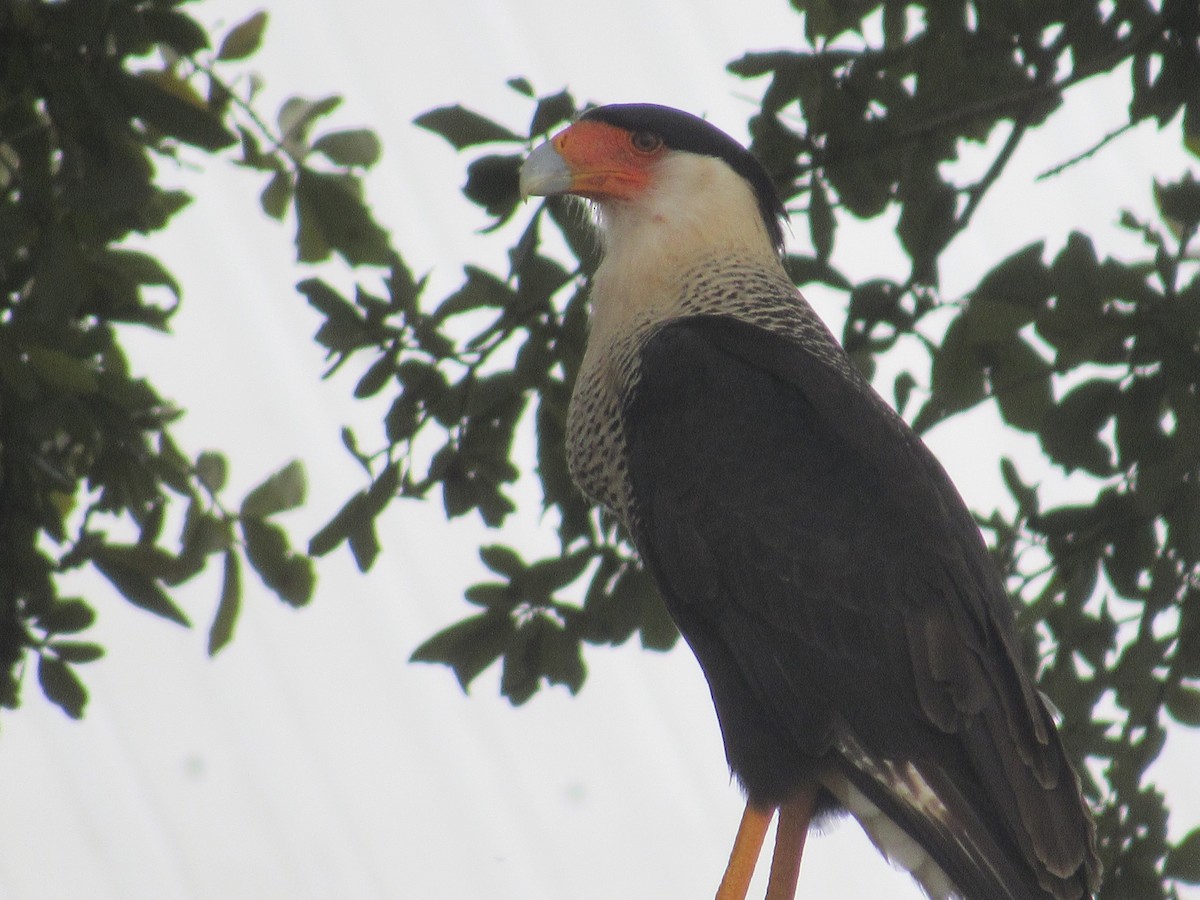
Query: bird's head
x=648, y=166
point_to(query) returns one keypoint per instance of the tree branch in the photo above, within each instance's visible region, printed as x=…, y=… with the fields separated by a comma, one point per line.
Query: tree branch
x=1086, y=154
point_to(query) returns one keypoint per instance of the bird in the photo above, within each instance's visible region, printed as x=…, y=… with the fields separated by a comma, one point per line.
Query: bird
x=857, y=640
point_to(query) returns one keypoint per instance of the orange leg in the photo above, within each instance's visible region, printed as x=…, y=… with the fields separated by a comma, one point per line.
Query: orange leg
x=746, y=847
x=794, y=818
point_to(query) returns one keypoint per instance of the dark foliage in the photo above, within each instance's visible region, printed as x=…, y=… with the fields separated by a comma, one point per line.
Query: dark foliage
x=94, y=98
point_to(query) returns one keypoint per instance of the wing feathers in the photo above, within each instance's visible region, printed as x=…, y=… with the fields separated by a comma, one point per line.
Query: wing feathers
x=839, y=597
x=958, y=856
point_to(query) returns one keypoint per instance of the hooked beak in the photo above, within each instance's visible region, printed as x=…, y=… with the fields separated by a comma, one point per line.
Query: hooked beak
x=545, y=172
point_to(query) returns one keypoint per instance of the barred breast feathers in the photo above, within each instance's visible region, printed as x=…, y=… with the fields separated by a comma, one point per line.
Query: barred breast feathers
x=745, y=286
x=666, y=256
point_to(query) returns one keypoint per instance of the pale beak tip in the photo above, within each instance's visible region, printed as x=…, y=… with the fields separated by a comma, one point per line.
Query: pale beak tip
x=544, y=173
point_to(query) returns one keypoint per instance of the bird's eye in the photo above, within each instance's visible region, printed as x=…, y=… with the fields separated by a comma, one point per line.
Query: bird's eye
x=645, y=141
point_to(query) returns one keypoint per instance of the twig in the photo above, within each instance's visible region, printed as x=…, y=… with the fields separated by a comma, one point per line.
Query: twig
x=1086, y=154
x=976, y=191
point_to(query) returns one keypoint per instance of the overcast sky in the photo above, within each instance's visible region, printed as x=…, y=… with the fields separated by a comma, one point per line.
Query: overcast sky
x=310, y=760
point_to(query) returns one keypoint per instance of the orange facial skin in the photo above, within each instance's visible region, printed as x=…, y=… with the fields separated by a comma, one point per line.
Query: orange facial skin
x=606, y=162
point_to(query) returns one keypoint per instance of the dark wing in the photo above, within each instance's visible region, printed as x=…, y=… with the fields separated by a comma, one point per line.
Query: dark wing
x=842, y=603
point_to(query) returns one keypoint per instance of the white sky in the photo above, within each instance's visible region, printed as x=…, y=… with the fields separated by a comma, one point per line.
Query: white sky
x=310, y=760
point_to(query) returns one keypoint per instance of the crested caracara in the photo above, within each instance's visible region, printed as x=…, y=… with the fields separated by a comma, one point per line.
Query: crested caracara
x=856, y=638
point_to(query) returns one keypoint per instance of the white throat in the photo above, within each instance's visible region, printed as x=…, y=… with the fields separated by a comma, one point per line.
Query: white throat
x=697, y=209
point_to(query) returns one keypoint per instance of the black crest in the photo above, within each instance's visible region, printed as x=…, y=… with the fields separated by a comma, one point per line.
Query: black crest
x=680, y=130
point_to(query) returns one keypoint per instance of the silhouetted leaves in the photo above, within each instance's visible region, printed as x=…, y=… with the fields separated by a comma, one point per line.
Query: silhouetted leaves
x=1071, y=435
x=244, y=38
x=288, y=574
x=61, y=685
x=492, y=182
x=469, y=646
x=297, y=116
x=333, y=218
x=821, y=222
x=220, y=632
x=173, y=108
x=282, y=491
x=464, y=128
x=357, y=147
x=1183, y=862
x=551, y=111
x=137, y=574
x=524, y=624
x=94, y=102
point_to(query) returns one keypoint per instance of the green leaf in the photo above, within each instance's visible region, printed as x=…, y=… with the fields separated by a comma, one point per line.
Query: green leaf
x=469, y=646
x=375, y=377
x=1070, y=435
x=61, y=685
x=1020, y=381
x=521, y=86
x=221, y=630
x=280, y=492
x=902, y=389
x=355, y=522
x=77, y=651
x=65, y=372
x=551, y=111
x=927, y=220
x=958, y=381
x=330, y=303
x=1022, y=279
x=895, y=24
x=296, y=116
x=1183, y=860
x=542, y=648
x=60, y=279
x=804, y=270
x=331, y=206
x=481, y=290
x=276, y=196
x=1192, y=141
x=169, y=104
x=463, y=128
x=1025, y=495
x=1183, y=703
x=66, y=616
x=560, y=657
x=143, y=269
x=212, y=470
x=493, y=182
x=503, y=561
x=289, y=575
x=175, y=30
x=244, y=39
x=252, y=154
x=358, y=147
x=204, y=533
x=821, y=223
x=991, y=321
x=1179, y=204
x=658, y=629
x=876, y=300
x=364, y=544
x=520, y=671
x=403, y=289
x=138, y=587
x=338, y=529
x=542, y=579
x=1075, y=274
x=494, y=596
